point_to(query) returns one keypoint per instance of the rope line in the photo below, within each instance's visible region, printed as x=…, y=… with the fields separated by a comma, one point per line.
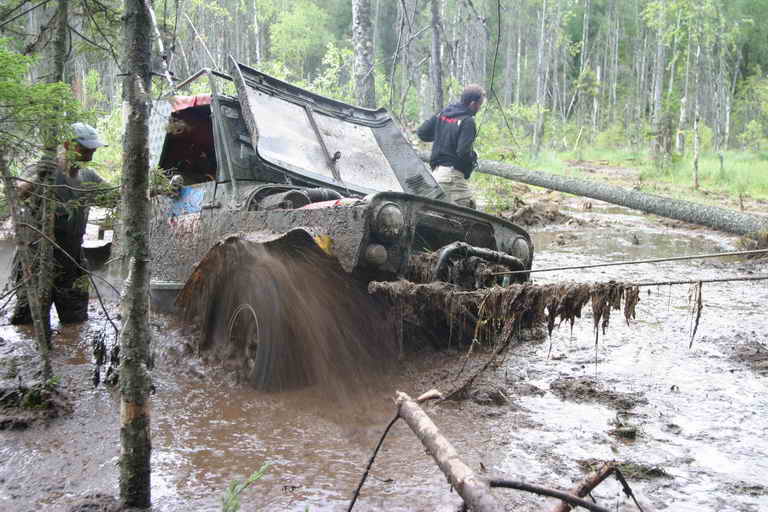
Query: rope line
x=696, y=281
x=637, y=262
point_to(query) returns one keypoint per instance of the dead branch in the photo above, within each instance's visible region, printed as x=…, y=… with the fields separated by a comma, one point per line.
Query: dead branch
x=67, y=187
x=473, y=490
x=696, y=306
x=585, y=486
x=545, y=491
x=459, y=391
x=626, y=488
x=432, y=394
x=370, y=461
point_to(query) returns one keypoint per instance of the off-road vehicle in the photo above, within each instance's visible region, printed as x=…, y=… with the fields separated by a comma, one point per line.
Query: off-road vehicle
x=267, y=171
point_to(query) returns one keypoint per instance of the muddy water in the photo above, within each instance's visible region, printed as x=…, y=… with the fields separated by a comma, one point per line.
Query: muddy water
x=701, y=416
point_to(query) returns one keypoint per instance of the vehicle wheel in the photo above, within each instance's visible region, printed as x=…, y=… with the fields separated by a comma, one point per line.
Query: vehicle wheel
x=290, y=317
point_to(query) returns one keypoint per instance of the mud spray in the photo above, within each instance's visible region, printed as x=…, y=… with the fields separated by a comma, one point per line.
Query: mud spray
x=287, y=315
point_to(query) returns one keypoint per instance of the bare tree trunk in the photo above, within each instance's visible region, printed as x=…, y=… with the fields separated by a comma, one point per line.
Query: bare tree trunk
x=696, y=147
x=641, y=81
x=596, y=102
x=615, y=58
x=28, y=272
x=38, y=263
x=509, y=60
x=362, y=36
x=135, y=336
x=680, y=138
x=673, y=57
x=658, y=82
x=518, y=60
x=584, y=55
x=436, y=66
x=696, y=103
x=541, y=77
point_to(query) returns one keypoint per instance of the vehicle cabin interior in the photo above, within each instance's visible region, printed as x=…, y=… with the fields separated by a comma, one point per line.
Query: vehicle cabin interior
x=189, y=148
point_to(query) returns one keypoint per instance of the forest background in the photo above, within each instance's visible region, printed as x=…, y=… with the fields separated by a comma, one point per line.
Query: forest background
x=653, y=85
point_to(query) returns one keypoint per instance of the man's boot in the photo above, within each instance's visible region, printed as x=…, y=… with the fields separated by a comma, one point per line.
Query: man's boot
x=21, y=313
x=71, y=305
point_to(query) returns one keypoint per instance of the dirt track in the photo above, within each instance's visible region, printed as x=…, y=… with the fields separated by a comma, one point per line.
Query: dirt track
x=690, y=425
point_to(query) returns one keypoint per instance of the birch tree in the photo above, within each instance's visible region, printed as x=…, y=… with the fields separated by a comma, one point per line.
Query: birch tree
x=435, y=61
x=362, y=35
x=135, y=336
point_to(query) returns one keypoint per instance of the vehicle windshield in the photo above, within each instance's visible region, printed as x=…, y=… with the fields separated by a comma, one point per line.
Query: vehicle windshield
x=327, y=140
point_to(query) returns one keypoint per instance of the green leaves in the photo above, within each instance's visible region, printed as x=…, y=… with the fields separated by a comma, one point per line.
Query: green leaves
x=300, y=48
x=230, y=502
x=30, y=112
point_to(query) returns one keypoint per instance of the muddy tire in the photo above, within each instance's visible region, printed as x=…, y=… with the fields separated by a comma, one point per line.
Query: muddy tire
x=286, y=316
x=252, y=322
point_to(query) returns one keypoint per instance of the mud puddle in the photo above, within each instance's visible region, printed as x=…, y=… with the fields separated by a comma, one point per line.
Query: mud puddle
x=698, y=416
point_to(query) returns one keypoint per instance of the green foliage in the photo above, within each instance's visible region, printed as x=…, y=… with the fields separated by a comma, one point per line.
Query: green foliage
x=34, y=114
x=497, y=194
x=94, y=95
x=230, y=502
x=495, y=140
x=613, y=137
x=587, y=83
x=108, y=160
x=334, y=79
x=300, y=36
x=753, y=137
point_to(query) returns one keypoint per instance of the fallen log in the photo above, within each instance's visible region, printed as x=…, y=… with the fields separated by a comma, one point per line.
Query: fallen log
x=711, y=216
x=474, y=491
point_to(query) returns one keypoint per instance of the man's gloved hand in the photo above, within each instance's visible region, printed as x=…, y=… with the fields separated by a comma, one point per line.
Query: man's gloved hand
x=474, y=157
x=177, y=182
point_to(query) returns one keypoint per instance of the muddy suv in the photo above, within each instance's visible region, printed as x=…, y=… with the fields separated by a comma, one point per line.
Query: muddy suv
x=268, y=169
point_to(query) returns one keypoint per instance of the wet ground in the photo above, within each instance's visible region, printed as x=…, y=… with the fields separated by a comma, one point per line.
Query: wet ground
x=691, y=425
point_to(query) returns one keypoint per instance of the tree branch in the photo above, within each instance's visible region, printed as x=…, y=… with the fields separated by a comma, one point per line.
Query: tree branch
x=546, y=491
x=23, y=13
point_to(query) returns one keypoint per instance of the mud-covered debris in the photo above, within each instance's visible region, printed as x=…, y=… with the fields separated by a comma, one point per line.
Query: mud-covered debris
x=488, y=394
x=97, y=503
x=630, y=470
x=587, y=389
x=491, y=313
x=524, y=389
x=754, y=354
x=540, y=213
x=562, y=239
x=747, y=488
x=754, y=242
x=22, y=405
x=629, y=432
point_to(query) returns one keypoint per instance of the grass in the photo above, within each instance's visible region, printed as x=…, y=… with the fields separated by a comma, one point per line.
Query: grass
x=744, y=174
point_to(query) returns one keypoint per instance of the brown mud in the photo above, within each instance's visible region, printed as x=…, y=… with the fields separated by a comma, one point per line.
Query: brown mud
x=699, y=415
x=538, y=213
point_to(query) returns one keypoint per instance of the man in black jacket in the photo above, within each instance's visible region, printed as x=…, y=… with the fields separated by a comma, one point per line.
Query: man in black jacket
x=453, y=133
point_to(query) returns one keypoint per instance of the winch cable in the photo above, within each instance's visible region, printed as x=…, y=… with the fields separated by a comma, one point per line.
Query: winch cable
x=698, y=281
x=637, y=262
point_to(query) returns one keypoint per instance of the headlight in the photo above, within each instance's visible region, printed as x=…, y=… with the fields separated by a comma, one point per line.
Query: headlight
x=389, y=222
x=522, y=249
